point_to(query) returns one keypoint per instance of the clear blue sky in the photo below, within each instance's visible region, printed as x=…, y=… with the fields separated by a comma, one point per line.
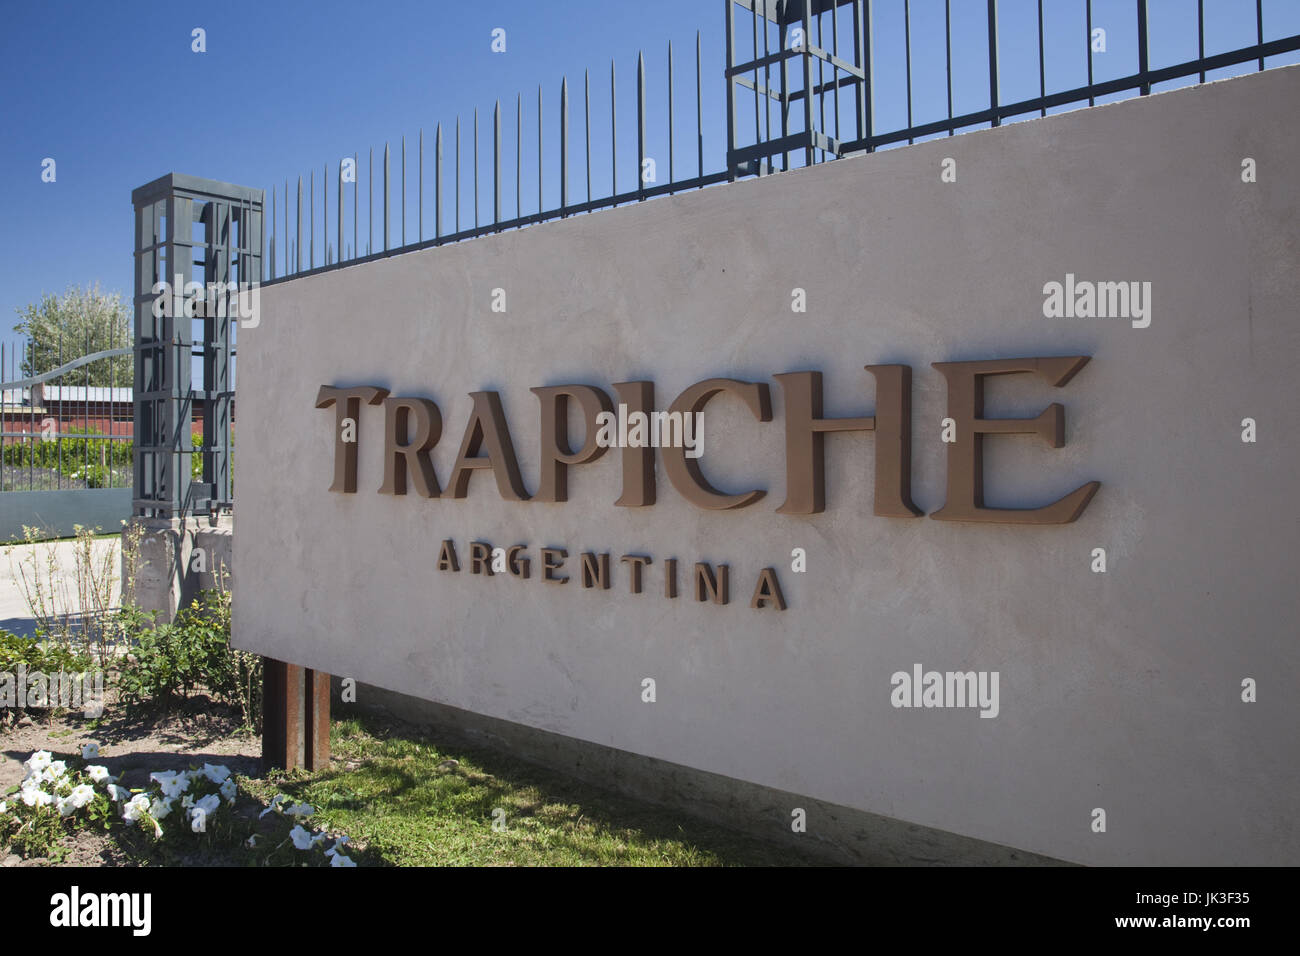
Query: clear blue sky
x=114, y=93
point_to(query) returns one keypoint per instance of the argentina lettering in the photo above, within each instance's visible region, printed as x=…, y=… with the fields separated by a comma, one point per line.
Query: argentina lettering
x=413, y=427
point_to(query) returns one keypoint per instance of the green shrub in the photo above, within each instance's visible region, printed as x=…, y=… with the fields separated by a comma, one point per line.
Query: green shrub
x=45, y=656
x=74, y=446
x=168, y=663
x=88, y=456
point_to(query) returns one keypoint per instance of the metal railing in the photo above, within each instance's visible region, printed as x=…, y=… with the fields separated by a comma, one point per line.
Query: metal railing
x=842, y=41
x=57, y=430
x=836, y=37
x=300, y=256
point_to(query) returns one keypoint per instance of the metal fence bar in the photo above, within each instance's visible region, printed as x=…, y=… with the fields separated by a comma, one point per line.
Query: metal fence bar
x=640, y=124
x=586, y=100
x=807, y=81
x=476, y=167
x=519, y=154
x=907, y=44
x=613, y=132
x=31, y=420
x=1087, y=45
x=496, y=162
x=1259, y=28
x=947, y=44
x=564, y=145
x=733, y=129
x=670, y=110
x=993, y=60
x=758, y=131
x=835, y=51
x=1200, y=34
x=866, y=112
x=821, y=76
x=699, y=113
x=767, y=78
x=1042, y=63
x=1143, y=51
x=540, y=204
x=59, y=477
x=325, y=210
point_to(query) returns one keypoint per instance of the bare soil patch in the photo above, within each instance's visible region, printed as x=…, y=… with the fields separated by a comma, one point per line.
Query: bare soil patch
x=202, y=731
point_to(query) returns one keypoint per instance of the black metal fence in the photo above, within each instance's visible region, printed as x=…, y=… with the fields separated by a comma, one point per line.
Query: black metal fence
x=293, y=249
x=810, y=58
x=1141, y=80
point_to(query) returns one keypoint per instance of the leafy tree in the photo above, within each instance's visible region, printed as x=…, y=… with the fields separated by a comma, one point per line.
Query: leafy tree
x=80, y=321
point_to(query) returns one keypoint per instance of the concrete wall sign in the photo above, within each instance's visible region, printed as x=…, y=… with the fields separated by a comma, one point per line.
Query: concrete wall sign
x=966, y=502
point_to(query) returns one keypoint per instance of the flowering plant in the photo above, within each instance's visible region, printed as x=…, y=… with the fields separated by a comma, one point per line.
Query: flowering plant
x=56, y=796
x=310, y=841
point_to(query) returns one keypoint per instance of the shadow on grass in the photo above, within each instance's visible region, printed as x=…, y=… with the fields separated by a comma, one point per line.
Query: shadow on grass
x=415, y=802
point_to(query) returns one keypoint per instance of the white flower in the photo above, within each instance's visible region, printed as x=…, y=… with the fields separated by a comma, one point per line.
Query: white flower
x=160, y=807
x=81, y=795
x=228, y=789
x=35, y=797
x=301, y=838
x=275, y=805
x=208, y=804
x=187, y=801
x=36, y=762
x=217, y=774
x=157, y=830
x=98, y=774
x=252, y=840
x=172, y=782
x=300, y=810
x=117, y=794
x=340, y=860
x=64, y=806
x=4, y=807
x=338, y=844
x=90, y=751
x=199, y=820
x=135, y=806
x=53, y=773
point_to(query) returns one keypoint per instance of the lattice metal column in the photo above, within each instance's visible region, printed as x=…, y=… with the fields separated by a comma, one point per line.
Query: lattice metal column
x=789, y=53
x=204, y=234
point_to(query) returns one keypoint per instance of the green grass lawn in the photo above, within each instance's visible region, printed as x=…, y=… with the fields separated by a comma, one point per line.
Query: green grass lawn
x=411, y=803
